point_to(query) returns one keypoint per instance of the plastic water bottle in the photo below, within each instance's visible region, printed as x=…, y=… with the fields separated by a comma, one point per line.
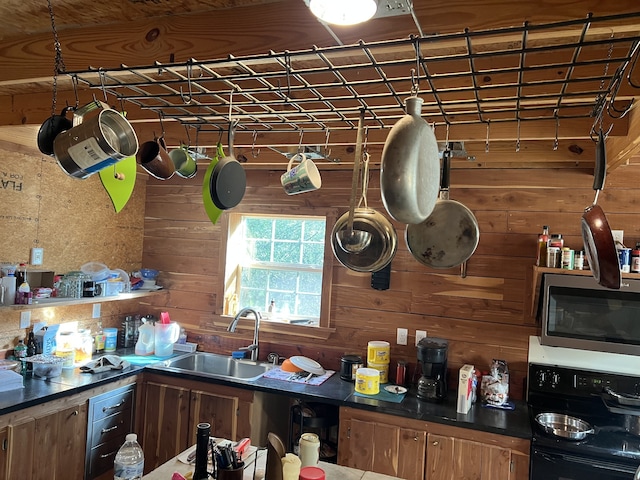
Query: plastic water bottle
x=129, y=462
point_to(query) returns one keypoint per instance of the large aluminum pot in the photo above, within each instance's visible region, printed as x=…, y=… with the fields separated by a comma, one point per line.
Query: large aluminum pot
x=410, y=167
x=381, y=249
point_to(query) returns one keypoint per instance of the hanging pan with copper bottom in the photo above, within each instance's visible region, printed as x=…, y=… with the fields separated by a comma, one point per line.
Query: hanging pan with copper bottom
x=599, y=245
x=449, y=235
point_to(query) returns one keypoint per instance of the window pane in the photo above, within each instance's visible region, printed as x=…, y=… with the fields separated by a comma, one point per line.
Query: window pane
x=308, y=305
x=283, y=281
x=286, y=252
x=256, y=227
x=254, y=278
x=313, y=253
x=260, y=251
x=288, y=230
x=311, y=282
x=314, y=231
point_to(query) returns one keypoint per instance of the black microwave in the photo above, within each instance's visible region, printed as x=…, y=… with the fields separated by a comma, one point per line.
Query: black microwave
x=579, y=313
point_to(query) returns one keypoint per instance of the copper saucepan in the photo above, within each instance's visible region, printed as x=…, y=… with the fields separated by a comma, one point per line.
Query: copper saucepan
x=599, y=245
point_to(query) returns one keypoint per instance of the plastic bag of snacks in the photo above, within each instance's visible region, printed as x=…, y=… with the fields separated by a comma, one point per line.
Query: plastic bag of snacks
x=494, y=388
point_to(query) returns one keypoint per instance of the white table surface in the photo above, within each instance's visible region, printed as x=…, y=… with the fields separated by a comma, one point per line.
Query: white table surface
x=332, y=471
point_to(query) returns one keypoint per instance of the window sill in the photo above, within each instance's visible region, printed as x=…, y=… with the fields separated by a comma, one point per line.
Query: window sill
x=281, y=328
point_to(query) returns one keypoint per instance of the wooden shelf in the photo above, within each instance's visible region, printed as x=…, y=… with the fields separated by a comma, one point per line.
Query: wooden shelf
x=63, y=302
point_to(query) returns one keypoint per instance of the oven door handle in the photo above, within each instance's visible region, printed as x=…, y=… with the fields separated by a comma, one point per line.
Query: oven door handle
x=557, y=458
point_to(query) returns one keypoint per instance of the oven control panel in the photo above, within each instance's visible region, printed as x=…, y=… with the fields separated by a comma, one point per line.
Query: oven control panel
x=549, y=378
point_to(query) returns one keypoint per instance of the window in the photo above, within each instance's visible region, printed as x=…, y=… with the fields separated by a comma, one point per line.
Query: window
x=279, y=259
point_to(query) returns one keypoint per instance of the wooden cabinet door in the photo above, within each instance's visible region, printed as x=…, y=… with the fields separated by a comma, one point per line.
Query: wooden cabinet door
x=62, y=435
x=220, y=411
x=4, y=452
x=21, y=448
x=451, y=458
x=519, y=466
x=382, y=448
x=166, y=415
x=72, y=441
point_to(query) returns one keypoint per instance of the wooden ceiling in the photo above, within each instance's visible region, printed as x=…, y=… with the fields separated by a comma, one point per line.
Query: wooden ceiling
x=141, y=32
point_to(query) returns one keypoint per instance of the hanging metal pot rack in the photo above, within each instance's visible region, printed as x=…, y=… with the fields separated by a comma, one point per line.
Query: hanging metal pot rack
x=552, y=72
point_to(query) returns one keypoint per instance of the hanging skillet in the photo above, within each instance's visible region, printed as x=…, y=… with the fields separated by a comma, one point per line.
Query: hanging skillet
x=596, y=233
x=228, y=179
x=449, y=236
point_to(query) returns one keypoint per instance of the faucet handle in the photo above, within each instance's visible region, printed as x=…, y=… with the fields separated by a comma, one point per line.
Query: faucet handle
x=274, y=358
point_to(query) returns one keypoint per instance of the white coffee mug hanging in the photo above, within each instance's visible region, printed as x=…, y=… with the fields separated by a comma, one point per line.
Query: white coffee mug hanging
x=302, y=178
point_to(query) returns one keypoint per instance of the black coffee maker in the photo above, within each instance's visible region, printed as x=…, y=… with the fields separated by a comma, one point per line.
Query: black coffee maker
x=432, y=357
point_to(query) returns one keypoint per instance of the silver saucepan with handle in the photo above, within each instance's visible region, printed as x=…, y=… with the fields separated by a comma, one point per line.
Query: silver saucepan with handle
x=564, y=426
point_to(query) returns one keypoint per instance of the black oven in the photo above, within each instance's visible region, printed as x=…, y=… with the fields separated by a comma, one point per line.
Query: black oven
x=611, y=451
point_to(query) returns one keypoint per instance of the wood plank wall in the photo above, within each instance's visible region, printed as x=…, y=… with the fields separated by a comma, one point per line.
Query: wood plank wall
x=484, y=315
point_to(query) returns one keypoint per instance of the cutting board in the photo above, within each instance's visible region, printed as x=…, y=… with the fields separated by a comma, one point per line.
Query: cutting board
x=120, y=188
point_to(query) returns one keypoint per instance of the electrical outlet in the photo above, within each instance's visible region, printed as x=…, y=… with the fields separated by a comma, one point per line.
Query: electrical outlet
x=25, y=319
x=96, y=310
x=37, y=255
x=618, y=237
x=401, y=336
x=420, y=334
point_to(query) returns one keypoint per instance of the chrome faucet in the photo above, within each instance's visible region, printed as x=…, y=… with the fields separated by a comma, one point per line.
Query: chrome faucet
x=234, y=323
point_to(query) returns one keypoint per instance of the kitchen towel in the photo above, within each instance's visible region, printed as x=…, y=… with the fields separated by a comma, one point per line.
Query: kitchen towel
x=279, y=374
x=10, y=380
x=104, y=364
x=383, y=395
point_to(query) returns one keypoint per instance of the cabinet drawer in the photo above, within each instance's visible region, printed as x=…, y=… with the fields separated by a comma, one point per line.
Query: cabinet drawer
x=111, y=404
x=102, y=457
x=113, y=426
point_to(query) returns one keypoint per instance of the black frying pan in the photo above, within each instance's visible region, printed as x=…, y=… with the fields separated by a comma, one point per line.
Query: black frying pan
x=228, y=180
x=449, y=235
x=599, y=245
x=51, y=128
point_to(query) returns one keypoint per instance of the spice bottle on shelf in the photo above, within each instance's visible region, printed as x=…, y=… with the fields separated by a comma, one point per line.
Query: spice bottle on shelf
x=543, y=239
x=556, y=240
x=635, y=260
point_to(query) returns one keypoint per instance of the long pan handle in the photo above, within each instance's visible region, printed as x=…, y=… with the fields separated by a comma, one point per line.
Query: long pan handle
x=600, y=171
x=445, y=176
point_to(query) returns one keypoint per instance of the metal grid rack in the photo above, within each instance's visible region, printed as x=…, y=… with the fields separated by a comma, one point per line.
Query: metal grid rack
x=572, y=69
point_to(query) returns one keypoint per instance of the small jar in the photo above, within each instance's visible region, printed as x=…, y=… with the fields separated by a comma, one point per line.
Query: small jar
x=556, y=240
x=553, y=257
x=635, y=261
x=567, y=258
x=578, y=260
x=401, y=371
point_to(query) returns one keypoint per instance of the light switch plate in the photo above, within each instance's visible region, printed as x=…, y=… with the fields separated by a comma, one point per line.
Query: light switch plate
x=96, y=310
x=25, y=319
x=401, y=336
x=37, y=255
x=420, y=334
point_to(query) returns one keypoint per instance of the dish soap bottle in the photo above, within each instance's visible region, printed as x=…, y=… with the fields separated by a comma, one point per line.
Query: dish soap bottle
x=146, y=339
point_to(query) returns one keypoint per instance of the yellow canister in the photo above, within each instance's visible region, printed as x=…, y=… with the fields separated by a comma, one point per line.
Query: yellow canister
x=367, y=381
x=382, y=368
x=378, y=351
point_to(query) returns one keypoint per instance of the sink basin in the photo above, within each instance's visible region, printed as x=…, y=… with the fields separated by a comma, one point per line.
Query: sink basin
x=217, y=366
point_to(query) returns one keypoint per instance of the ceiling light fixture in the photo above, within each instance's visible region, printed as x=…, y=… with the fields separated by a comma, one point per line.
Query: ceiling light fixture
x=344, y=12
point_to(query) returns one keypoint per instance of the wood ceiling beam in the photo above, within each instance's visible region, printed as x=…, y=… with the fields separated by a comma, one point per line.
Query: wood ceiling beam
x=620, y=150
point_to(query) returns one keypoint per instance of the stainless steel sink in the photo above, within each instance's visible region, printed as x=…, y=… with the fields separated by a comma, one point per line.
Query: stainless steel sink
x=216, y=366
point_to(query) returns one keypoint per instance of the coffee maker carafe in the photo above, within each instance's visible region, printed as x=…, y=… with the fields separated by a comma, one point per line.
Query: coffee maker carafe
x=432, y=357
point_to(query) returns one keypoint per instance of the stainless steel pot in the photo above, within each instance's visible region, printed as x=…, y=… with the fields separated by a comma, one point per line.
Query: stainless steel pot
x=564, y=426
x=381, y=249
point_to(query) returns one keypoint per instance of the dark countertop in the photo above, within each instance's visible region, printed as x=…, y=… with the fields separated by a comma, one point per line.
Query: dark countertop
x=333, y=391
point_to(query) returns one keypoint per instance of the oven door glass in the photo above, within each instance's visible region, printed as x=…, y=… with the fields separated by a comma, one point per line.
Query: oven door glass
x=578, y=313
x=553, y=465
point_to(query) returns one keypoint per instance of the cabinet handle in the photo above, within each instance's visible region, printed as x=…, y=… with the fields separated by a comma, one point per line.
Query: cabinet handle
x=117, y=405
x=436, y=443
x=5, y=444
x=349, y=432
x=105, y=430
x=107, y=455
x=415, y=439
x=75, y=413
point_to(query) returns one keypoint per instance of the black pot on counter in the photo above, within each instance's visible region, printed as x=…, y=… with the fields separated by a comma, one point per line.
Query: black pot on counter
x=348, y=366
